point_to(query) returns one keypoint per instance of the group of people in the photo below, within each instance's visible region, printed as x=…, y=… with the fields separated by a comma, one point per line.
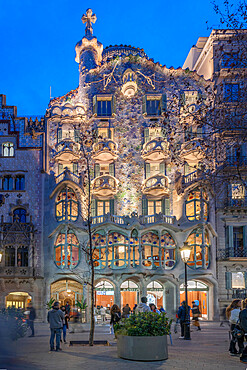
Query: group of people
x=58, y=320
x=236, y=313
x=184, y=316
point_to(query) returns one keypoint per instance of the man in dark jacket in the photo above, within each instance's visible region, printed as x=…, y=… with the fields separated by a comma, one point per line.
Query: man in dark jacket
x=182, y=317
x=55, y=318
x=31, y=318
x=243, y=324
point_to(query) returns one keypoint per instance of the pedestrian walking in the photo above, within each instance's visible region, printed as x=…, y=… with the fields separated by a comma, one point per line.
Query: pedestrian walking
x=55, y=318
x=31, y=318
x=182, y=317
x=102, y=312
x=143, y=307
x=243, y=325
x=126, y=311
x=115, y=317
x=65, y=323
x=196, y=314
x=232, y=314
x=67, y=308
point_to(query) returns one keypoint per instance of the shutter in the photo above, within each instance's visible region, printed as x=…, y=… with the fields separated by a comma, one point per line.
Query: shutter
x=146, y=135
x=163, y=103
x=230, y=230
x=109, y=133
x=96, y=170
x=163, y=168
x=113, y=105
x=144, y=207
x=168, y=169
x=95, y=104
x=166, y=206
x=60, y=168
x=112, y=169
x=182, y=99
x=59, y=135
x=111, y=206
x=93, y=208
x=75, y=168
x=228, y=278
x=144, y=105
x=77, y=136
x=147, y=170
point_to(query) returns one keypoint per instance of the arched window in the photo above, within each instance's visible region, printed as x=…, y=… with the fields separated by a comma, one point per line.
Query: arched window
x=168, y=251
x=99, y=250
x=67, y=250
x=195, y=240
x=7, y=183
x=67, y=205
x=196, y=200
x=8, y=150
x=9, y=256
x=150, y=250
x=20, y=182
x=19, y=215
x=117, y=250
x=22, y=257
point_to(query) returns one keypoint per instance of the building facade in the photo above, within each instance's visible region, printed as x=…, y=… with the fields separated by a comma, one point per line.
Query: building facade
x=133, y=133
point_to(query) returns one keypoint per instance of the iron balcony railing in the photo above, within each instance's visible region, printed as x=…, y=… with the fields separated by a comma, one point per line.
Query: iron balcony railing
x=126, y=220
x=240, y=202
x=224, y=254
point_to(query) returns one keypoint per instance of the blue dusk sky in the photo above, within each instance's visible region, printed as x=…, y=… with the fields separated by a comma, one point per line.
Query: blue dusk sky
x=38, y=40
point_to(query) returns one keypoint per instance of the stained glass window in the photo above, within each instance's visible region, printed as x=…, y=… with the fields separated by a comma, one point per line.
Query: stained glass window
x=67, y=250
x=195, y=240
x=67, y=206
x=195, y=200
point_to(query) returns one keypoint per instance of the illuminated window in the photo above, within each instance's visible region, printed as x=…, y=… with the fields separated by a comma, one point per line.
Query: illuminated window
x=195, y=200
x=117, y=250
x=134, y=251
x=22, y=257
x=66, y=250
x=103, y=106
x=150, y=250
x=168, y=251
x=195, y=241
x=20, y=215
x=102, y=207
x=8, y=149
x=67, y=206
x=99, y=250
x=238, y=280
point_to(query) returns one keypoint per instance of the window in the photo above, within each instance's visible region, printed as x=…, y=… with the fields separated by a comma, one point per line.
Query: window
x=19, y=215
x=236, y=241
x=196, y=255
x=103, y=106
x=66, y=250
x=22, y=257
x=231, y=92
x=117, y=250
x=236, y=280
x=168, y=250
x=154, y=105
x=77, y=135
x=197, y=202
x=8, y=150
x=67, y=208
x=105, y=132
x=20, y=182
x=154, y=168
x=8, y=183
x=9, y=256
x=230, y=60
x=237, y=196
x=59, y=135
x=99, y=250
x=152, y=207
x=104, y=170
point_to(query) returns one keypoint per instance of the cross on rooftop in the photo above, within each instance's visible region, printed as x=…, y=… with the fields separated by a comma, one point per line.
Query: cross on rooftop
x=89, y=18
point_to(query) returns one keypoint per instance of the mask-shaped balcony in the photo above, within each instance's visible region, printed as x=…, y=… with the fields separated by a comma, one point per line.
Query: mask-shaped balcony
x=105, y=150
x=67, y=151
x=105, y=186
x=192, y=151
x=155, y=150
x=156, y=186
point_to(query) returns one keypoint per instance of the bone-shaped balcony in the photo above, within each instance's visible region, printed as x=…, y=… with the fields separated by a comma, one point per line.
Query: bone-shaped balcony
x=105, y=186
x=156, y=186
x=155, y=150
x=105, y=150
x=67, y=151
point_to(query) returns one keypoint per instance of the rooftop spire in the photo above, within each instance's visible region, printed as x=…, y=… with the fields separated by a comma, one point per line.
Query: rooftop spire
x=89, y=18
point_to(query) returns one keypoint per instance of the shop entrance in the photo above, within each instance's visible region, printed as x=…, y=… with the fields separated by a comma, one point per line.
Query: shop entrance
x=155, y=294
x=17, y=300
x=129, y=293
x=104, y=294
x=196, y=291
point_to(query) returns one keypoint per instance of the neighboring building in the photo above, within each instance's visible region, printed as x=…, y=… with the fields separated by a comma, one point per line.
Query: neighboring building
x=149, y=189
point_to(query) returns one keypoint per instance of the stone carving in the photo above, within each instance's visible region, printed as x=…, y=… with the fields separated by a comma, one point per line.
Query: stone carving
x=89, y=18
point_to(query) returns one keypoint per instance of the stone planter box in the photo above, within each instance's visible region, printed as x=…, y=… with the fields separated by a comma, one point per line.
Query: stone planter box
x=142, y=348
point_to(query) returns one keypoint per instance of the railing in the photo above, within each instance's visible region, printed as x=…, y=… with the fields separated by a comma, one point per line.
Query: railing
x=126, y=220
x=236, y=202
x=16, y=271
x=67, y=175
x=236, y=161
x=152, y=219
x=223, y=254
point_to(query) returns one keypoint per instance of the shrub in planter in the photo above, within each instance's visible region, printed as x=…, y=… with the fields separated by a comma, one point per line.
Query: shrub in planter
x=143, y=336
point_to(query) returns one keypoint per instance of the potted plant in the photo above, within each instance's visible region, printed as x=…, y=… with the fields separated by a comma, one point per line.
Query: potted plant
x=143, y=337
x=82, y=305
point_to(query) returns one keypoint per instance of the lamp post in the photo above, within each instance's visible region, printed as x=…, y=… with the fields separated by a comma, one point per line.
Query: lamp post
x=185, y=255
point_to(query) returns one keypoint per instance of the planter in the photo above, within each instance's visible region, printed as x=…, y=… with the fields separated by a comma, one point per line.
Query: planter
x=142, y=348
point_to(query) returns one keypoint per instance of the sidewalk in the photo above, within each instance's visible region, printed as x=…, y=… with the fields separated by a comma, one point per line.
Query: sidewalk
x=207, y=350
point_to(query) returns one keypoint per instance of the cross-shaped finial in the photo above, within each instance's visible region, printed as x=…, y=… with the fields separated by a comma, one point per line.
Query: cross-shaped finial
x=89, y=18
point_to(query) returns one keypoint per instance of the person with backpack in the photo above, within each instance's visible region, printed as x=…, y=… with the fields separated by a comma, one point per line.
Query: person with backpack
x=196, y=314
x=115, y=317
x=55, y=318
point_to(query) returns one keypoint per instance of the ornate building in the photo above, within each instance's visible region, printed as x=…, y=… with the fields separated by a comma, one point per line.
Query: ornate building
x=133, y=122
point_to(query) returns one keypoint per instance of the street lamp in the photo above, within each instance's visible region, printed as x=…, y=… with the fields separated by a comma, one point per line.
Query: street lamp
x=185, y=255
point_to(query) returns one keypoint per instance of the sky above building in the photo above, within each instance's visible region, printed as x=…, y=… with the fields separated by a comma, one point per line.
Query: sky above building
x=38, y=40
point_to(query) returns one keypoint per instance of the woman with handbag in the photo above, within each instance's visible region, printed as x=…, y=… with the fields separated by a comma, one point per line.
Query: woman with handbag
x=232, y=313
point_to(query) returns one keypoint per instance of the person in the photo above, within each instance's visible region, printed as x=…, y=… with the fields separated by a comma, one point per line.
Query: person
x=67, y=308
x=232, y=314
x=115, y=317
x=243, y=325
x=134, y=308
x=223, y=316
x=55, y=318
x=31, y=318
x=142, y=307
x=153, y=308
x=103, y=313
x=95, y=313
x=196, y=313
x=162, y=309
x=182, y=317
x=126, y=311
x=65, y=323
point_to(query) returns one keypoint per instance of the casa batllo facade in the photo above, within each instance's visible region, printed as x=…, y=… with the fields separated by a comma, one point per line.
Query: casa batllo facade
x=148, y=192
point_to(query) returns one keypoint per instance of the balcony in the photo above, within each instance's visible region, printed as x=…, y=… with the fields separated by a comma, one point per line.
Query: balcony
x=156, y=186
x=127, y=220
x=155, y=150
x=104, y=186
x=233, y=253
x=192, y=150
x=157, y=218
x=236, y=203
x=67, y=175
x=67, y=151
x=11, y=271
x=105, y=150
